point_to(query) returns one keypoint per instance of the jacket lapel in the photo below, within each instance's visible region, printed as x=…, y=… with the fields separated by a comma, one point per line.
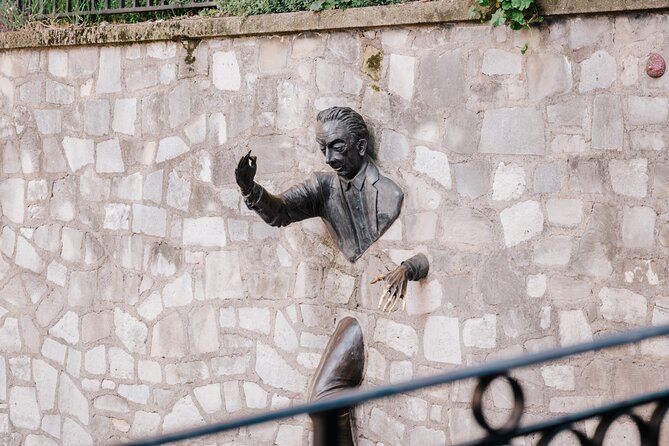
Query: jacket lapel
x=372, y=193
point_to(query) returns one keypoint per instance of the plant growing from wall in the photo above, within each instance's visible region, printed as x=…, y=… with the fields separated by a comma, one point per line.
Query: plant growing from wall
x=516, y=14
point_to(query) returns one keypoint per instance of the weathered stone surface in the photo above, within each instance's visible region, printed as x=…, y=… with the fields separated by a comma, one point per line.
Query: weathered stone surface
x=170, y=147
x=434, y=164
x=465, y=228
x=401, y=75
x=169, y=338
x=521, y=222
x=203, y=330
x=71, y=401
x=222, y=276
x=638, y=229
x=547, y=178
x=79, y=152
x=276, y=372
x=499, y=62
x=121, y=364
x=23, y=409
x=560, y=377
x=400, y=337
x=387, y=428
x=647, y=110
x=109, y=158
x=472, y=178
x=597, y=247
x=607, y=123
x=598, y=71
x=513, y=131
x=184, y=414
x=204, y=231
x=441, y=340
x=109, y=74
x=548, y=75
x=46, y=380
x=621, y=305
x=564, y=212
x=436, y=91
x=629, y=177
x=149, y=220
x=553, y=251
x=480, y=332
x=209, y=397
x=509, y=182
x=574, y=328
x=226, y=74
x=130, y=331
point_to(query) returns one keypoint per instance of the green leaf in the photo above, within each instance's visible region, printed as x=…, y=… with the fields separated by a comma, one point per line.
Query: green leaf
x=473, y=12
x=521, y=4
x=498, y=18
x=506, y=5
x=523, y=50
x=317, y=5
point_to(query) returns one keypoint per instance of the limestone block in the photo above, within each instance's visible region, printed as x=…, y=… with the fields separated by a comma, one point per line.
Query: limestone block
x=629, y=177
x=83, y=286
x=117, y=216
x=568, y=289
x=170, y=147
x=72, y=244
x=497, y=282
x=441, y=340
x=83, y=61
x=385, y=427
x=571, y=112
x=125, y=115
x=130, y=331
x=548, y=75
x=57, y=93
x=536, y=285
x=184, y=414
x=149, y=371
x=509, y=182
x=74, y=435
x=255, y=319
x=128, y=187
x=30, y=92
x=169, y=338
x=597, y=247
x=57, y=62
x=547, y=178
x=96, y=117
x=394, y=146
x=276, y=372
x=607, y=123
x=472, y=178
x=149, y=220
x=138, y=393
x=12, y=199
x=560, y=377
x=480, y=332
x=553, y=251
x=23, y=409
x=621, y=305
x=400, y=337
x=109, y=74
x=638, y=229
x=420, y=227
x=438, y=91
x=209, y=397
x=178, y=292
x=153, y=187
x=230, y=365
x=53, y=159
x=588, y=31
x=67, y=328
x=49, y=122
x=401, y=371
x=95, y=360
x=598, y=71
x=225, y=71
x=521, y=222
x=574, y=328
x=46, y=380
x=178, y=191
x=203, y=330
x=434, y=164
x=499, y=62
x=564, y=212
x=289, y=435
x=513, y=131
x=52, y=349
x=329, y=77
x=647, y=110
x=284, y=335
x=645, y=140
x=423, y=297
x=71, y=401
x=222, y=276
x=401, y=73
x=462, y=131
x=256, y=396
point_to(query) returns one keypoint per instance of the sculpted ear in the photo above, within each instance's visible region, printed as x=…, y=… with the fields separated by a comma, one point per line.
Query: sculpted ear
x=362, y=147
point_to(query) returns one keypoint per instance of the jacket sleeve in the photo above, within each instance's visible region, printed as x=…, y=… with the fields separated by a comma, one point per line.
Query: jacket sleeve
x=418, y=266
x=298, y=203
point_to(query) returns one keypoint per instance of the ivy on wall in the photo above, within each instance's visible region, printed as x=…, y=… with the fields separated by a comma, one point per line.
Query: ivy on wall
x=516, y=14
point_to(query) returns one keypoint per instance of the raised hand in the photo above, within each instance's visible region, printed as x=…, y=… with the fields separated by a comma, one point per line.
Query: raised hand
x=245, y=172
x=395, y=289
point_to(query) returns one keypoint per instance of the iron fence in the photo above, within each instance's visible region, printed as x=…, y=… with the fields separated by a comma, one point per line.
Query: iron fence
x=324, y=411
x=74, y=8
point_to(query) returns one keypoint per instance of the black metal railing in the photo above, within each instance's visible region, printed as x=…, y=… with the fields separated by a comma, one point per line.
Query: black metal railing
x=40, y=9
x=649, y=428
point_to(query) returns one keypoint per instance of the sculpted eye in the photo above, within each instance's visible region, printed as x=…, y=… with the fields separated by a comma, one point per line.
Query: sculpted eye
x=339, y=147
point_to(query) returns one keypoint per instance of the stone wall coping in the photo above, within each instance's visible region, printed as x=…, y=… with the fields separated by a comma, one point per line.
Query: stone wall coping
x=408, y=14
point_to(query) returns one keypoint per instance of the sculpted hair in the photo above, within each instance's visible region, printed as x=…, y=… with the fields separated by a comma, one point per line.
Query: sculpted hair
x=354, y=122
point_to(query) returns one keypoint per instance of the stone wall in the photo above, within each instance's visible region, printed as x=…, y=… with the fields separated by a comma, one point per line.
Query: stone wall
x=139, y=295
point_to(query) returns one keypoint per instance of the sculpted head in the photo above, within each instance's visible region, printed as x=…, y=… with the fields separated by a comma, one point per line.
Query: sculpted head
x=343, y=137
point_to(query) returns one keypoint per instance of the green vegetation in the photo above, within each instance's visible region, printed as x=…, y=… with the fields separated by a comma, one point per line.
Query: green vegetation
x=516, y=14
x=255, y=7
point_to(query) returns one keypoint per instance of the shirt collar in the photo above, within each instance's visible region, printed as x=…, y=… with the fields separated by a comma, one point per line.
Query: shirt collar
x=358, y=180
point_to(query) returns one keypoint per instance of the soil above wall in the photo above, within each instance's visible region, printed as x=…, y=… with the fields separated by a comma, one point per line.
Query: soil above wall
x=428, y=12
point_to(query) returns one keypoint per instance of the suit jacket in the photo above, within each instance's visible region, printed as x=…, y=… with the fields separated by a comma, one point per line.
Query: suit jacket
x=324, y=196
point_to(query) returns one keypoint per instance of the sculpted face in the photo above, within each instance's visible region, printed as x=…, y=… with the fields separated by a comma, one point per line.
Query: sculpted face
x=342, y=151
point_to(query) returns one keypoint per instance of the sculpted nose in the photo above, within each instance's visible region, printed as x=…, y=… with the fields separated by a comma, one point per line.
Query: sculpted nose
x=328, y=156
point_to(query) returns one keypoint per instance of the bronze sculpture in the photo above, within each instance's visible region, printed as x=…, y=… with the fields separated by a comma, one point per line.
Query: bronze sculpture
x=358, y=204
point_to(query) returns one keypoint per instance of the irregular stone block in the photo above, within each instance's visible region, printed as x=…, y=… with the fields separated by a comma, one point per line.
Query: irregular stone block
x=621, y=305
x=574, y=328
x=438, y=90
x=401, y=71
x=607, y=123
x=109, y=74
x=647, y=111
x=598, y=71
x=639, y=227
x=548, y=75
x=441, y=340
x=225, y=71
x=629, y=177
x=513, y=131
x=521, y=222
